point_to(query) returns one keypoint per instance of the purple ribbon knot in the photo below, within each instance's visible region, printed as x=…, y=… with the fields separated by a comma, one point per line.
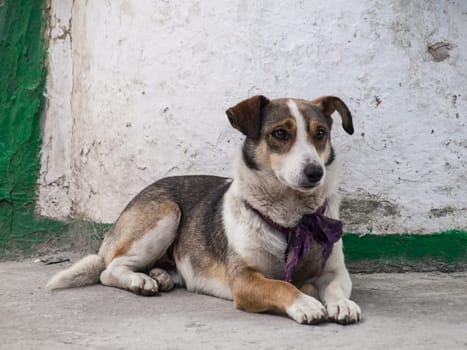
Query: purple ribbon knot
x=312, y=228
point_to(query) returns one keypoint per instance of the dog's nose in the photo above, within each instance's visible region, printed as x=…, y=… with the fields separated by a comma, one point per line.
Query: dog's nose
x=313, y=173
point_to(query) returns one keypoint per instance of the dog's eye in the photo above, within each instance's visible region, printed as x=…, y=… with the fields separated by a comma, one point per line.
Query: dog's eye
x=280, y=134
x=320, y=134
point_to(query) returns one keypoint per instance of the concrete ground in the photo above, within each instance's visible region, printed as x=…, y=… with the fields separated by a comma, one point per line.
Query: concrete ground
x=401, y=311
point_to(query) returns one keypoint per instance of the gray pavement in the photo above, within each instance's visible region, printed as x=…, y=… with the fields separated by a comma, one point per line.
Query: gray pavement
x=401, y=311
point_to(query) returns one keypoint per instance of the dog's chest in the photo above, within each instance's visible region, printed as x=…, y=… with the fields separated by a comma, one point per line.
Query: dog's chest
x=257, y=244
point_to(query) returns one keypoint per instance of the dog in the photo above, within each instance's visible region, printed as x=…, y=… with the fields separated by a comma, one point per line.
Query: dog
x=246, y=239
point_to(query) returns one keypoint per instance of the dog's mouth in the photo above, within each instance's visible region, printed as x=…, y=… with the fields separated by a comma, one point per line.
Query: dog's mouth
x=310, y=186
x=304, y=186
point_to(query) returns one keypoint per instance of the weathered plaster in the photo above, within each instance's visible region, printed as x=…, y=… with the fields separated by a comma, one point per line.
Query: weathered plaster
x=150, y=81
x=56, y=158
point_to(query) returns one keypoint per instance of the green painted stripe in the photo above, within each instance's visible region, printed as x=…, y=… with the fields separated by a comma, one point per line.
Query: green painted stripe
x=444, y=250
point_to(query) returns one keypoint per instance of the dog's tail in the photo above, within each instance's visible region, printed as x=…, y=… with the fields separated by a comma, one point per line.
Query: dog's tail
x=85, y=271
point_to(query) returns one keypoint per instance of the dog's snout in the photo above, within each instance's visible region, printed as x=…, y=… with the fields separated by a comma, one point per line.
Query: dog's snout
x=313, y=173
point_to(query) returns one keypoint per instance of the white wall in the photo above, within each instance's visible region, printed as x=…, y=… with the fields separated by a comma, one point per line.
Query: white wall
x=137, y=91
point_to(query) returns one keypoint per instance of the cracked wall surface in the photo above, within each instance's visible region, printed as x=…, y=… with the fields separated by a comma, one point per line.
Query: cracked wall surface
x=137, y=91
x=56, y=198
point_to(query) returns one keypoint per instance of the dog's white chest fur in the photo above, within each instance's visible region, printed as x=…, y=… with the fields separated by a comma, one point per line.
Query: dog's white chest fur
x=252, y=239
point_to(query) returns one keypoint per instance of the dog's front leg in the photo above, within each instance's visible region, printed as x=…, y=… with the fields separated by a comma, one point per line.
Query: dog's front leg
x=253, y=292
x=334, y=287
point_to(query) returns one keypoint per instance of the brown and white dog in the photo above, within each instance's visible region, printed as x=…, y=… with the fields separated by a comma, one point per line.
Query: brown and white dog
x=220, y=236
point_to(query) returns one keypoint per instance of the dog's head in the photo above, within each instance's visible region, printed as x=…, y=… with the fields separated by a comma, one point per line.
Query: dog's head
x=290, y=138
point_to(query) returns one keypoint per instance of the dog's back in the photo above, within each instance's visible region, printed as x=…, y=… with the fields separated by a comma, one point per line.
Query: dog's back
x=197, y=204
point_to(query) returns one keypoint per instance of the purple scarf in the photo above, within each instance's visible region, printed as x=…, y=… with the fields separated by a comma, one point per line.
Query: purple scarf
x=312, y=227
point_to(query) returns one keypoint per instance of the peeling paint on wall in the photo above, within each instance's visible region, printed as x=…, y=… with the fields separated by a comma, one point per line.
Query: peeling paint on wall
x=147, y=83
x=56, y=156
x=361, y=212
x=439, y=51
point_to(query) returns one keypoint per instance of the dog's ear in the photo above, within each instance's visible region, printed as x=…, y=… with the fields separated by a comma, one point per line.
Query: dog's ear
x=330, y=104
x=246, y=115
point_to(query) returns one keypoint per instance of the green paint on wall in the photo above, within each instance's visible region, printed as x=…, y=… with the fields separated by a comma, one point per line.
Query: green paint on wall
x=22, y=77
x=443, y=251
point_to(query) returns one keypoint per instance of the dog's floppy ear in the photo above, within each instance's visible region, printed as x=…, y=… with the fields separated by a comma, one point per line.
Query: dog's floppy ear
x=246, y=115
x=330, y=104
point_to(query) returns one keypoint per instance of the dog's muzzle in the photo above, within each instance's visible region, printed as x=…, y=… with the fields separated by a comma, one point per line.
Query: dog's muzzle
x=312, y=175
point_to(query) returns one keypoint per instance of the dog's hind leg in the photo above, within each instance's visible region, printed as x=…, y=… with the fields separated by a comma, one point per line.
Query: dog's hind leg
x=163, y=278
x=140, y=237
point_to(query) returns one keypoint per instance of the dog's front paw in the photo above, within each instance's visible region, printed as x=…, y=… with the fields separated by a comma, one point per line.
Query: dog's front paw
x=306, y=309
x=344, y=311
